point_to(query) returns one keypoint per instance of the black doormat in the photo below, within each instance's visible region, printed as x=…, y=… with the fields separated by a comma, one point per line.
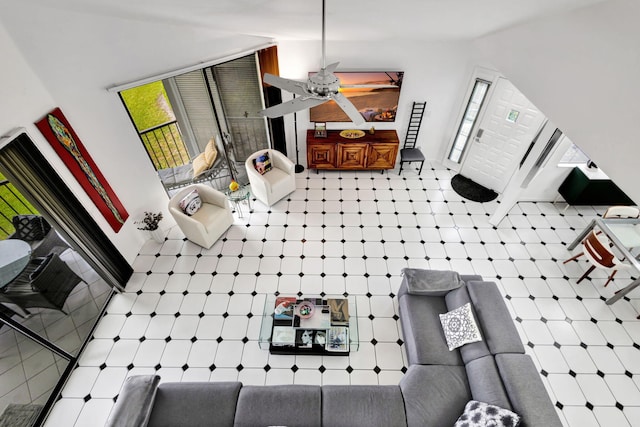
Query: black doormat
x=471, y=190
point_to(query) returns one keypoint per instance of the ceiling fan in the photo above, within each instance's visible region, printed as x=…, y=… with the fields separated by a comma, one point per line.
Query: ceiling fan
x=319, y=88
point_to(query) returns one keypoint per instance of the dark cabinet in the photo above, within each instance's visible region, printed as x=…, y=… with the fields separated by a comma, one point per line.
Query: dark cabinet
x=579, y=189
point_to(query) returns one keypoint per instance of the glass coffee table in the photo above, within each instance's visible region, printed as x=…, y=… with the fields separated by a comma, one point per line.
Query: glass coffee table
x=325, y=325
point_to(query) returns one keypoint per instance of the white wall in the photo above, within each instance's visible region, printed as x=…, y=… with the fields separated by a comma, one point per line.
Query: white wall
x=434, y=72
x=68, y=59
x=582, y=70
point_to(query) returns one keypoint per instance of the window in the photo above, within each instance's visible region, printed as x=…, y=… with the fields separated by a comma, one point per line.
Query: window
x=573, y=156
x=474, y=105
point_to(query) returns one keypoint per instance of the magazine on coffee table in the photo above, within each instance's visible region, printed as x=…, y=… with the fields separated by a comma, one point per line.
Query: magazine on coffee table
x=338, y=339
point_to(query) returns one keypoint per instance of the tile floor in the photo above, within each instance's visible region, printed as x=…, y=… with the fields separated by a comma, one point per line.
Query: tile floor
x=28, y=371
x=194, y=315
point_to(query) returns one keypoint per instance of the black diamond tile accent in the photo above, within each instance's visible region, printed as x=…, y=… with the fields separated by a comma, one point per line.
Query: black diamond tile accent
x=530, y=344
x=230, y=293
x=225, y=314
x=104, y=365
x=349, y=369
x=518, y=319
x=619, y=406
x=600, y=373
x=207, y=293
x=368, y=295
x=245, y=340
x=185, y=293
x=212, y=367
x=201, y=314
x=185, y=367
x=267, y=368
x=294, y=368
x=400, y=342
x=544, y=373
x=167, y=339
x=556, y=344
x=610, y=345
x=157, y=367
x=142, y=339
x=371, y=317
x=374, y=341
x=559, y=405
x=377, y=370
x=395, y=317
x=583, y=345
x=322, y=369
x=139, y=293
x=219, y=340
x=162, y=292
x=629, y=374
x=404, y=370
x=239, y=367
x=87, y=398
x=194, y=339
x=116, y=339
x=573, y=374
x=177, y=315
x=589, y=406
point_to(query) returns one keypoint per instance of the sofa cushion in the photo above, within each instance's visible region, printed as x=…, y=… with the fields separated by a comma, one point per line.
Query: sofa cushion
x=485, y=382
x=279, y=405
x=458, y=298
x=195, y=404
x=460, y=327
x=430, y=282
x=362, y=405
x=481, y=414
x=434, y=395
x=497, y=325
x=135, y=402
x=423, y=336
x=527, y=394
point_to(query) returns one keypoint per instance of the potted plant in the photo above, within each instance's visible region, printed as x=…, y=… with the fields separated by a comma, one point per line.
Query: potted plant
x=151, y=223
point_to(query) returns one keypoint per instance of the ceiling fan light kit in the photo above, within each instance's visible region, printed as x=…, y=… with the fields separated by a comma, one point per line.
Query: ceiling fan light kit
x=319, y=88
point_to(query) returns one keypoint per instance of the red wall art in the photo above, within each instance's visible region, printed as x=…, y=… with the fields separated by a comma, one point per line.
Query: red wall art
x=57, y=130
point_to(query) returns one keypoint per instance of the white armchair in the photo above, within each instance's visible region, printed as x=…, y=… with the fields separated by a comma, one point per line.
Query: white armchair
x=274, y=184
x=210, y=221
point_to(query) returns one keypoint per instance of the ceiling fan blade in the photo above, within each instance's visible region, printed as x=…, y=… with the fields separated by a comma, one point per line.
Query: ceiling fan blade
x=332, y=67
x=349, y=109
x=294, y=105
x=372, y=86
x=293, y=86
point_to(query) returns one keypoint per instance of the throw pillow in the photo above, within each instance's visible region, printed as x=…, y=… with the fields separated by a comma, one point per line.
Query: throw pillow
x=480, y=414
x=460, y=327
x=191, y=203
x=262, y=163
x=211, y=152
x=199, y=164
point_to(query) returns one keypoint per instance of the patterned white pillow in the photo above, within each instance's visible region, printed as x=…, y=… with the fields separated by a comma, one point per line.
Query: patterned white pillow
x=460, y=327
x=191, y=203
x=480, y=414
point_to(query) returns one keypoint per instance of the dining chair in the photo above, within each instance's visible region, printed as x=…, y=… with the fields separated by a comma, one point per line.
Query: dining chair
x=614, y=212
x=45, y=283
x=597, y=250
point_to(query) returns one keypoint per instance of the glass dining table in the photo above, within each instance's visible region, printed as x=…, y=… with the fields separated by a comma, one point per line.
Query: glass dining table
x=624, y=233
x=14, y=257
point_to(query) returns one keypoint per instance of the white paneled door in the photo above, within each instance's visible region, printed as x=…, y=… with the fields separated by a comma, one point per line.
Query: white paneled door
x=509, y=124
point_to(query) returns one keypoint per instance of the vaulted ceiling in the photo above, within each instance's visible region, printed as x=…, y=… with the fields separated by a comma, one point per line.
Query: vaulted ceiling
x=346, y=20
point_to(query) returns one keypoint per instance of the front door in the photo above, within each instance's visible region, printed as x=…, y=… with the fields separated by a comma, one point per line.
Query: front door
x=508, y=125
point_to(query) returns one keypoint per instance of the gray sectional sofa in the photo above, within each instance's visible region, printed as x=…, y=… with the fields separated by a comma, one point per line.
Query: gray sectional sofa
x=434, y=391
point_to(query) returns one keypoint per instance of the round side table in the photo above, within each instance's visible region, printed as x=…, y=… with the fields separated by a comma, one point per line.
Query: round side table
x=237, y=197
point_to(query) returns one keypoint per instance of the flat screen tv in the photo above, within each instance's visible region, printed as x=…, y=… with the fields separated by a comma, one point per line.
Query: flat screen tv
x=375, y=104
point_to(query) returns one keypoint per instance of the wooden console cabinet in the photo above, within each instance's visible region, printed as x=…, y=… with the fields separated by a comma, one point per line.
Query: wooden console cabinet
x=376, y=151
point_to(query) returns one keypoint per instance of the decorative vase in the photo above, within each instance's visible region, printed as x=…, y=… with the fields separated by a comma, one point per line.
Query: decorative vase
x=157, y=235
